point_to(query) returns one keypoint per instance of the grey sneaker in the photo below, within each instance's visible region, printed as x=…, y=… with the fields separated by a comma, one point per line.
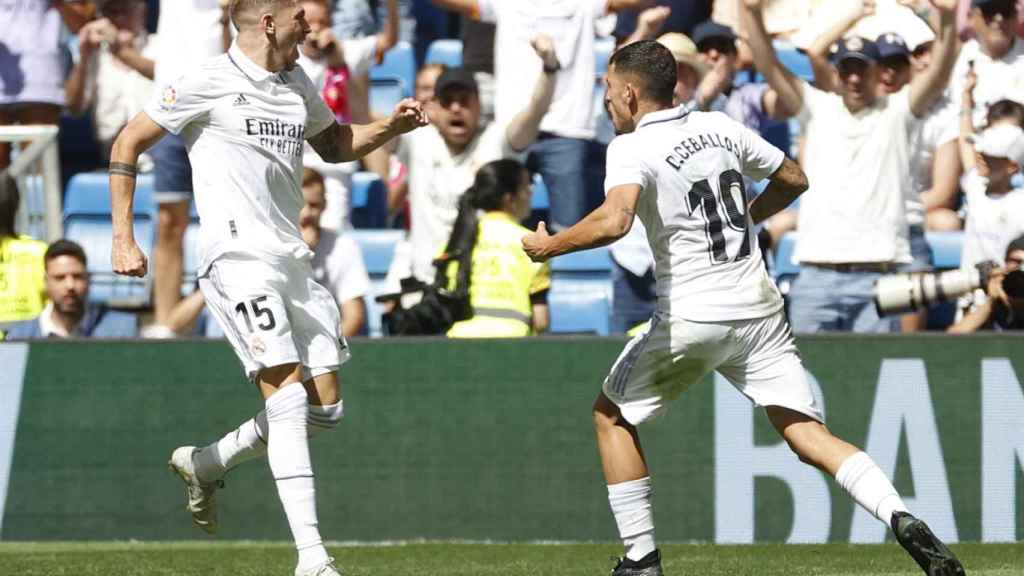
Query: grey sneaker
x=649, y=565
x=200, y=495
x=924, y=547
x=326, y=569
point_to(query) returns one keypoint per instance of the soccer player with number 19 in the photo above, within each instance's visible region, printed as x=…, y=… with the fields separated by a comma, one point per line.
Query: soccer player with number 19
x=245, y=117
x=681, y=172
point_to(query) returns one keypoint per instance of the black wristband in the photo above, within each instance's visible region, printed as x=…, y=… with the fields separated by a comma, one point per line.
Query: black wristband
x=552, y=69
x=123, y=169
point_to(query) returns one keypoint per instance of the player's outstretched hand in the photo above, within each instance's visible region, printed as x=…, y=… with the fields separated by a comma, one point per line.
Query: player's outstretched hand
x=409, y=115
x=128, y=259
x=535, y=243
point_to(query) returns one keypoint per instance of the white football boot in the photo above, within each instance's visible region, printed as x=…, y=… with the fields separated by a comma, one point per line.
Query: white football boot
x=326, y=569
x=200, y=498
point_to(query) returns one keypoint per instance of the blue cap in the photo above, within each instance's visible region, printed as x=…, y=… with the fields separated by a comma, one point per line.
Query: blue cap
x=856, y=48
x=892, y=45
x=708, y=29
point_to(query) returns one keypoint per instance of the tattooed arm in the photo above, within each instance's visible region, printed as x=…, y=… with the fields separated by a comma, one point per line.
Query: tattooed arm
x=609, y=222
x=785, y=186
x=347, y=142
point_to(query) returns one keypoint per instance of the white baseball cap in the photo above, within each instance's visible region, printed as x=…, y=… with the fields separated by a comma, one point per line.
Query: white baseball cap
x=1002, y=141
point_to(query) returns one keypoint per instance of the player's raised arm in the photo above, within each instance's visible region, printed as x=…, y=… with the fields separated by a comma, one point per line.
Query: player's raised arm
x=136, y=137
x=788, y=88
x=348, y=142
x=525, y=126
x=928, y=86
x=786, y=184
x=609, y=222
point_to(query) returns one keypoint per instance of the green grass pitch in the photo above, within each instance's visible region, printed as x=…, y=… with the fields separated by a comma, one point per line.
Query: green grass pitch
x=275, y=559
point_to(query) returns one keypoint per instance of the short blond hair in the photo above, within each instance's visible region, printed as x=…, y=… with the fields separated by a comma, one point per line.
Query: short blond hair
x=242, y=11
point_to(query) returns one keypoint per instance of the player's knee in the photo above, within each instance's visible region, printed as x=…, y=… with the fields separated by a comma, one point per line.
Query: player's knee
x=324, y=418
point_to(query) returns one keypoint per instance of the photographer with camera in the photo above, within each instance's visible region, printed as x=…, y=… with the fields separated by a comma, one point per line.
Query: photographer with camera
x=485, y=286
x=1004, y=308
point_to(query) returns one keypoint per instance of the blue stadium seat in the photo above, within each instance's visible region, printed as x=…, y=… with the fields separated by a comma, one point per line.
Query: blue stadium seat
x=369, y=201
x=385, y=95
x=581, y=292
x=88, y=194
x=603, y=48
x=946, y=248
x=784, y=264
x=399, y=64
x=784, y=269
x=793, y=60
x=596, y=262
x=446, y=51
x=87, y=221
x=589, y=312
x=796, y=62
x=378, y=248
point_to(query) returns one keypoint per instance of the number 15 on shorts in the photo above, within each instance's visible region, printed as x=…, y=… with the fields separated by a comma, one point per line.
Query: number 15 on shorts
x=256, y=315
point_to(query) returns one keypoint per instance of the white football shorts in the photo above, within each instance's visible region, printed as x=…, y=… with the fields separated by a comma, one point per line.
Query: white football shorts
x=275, y=313
x=757, y=356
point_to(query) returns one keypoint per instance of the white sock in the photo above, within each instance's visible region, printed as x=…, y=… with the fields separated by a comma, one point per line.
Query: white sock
x=869, y=487
x=631, y=505
x=288, y=455
x=249, y=441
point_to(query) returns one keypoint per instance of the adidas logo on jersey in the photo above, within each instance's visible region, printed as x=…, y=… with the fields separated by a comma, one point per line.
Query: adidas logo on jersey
x=241, y=101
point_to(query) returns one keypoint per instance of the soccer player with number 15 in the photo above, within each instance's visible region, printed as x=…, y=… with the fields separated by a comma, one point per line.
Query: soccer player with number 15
x=245, y=117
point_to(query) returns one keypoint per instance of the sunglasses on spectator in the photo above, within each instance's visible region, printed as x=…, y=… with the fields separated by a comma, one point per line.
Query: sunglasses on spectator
x=1006, y=8
x=720, y=45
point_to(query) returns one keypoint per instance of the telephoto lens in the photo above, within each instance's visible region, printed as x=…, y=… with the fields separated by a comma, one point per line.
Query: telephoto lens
x=902, y=293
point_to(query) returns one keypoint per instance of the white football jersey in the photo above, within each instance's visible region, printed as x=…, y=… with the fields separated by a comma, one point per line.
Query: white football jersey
x=244, y=128
x=690, y=166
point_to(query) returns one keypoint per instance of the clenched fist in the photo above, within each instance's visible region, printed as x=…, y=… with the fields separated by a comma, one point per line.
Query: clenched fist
x=408, y=116
x=128, y=259
x=535, y=243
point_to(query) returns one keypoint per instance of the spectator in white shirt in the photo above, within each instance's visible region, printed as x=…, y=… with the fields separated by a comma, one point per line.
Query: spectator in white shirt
x=442, y=159
x=560, y=152
x=852, y=222
x=114, y=73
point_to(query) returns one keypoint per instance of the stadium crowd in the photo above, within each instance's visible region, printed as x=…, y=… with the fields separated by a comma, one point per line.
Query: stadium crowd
x=908, y=137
